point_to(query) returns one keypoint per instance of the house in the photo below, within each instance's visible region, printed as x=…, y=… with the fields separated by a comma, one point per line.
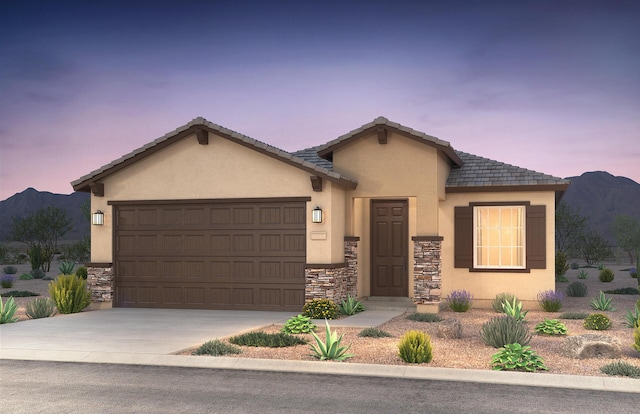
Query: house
x=207, y=218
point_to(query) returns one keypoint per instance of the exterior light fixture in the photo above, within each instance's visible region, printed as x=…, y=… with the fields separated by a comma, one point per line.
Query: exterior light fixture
x=97, y=218
x=316, y=215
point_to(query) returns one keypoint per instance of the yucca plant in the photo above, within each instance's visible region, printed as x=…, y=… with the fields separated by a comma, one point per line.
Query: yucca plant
x=70, y=293
x=514, y=309
x=330, y=349
x=8, y=310
x=41, y=308
x=500, y=298
x=602, y=303
x=350, y=306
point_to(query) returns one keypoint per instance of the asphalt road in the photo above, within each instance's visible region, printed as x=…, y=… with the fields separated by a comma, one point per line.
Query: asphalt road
x=54, y=387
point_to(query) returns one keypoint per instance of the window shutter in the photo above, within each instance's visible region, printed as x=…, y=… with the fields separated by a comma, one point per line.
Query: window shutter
x=536, y=237
x=463, y=237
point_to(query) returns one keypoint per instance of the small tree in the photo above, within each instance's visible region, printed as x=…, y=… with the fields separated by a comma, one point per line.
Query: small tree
x=626, y=230
x=593, y=248
x=41, y=231
x=570, y=227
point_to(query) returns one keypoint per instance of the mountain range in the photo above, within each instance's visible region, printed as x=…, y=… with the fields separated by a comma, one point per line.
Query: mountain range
x=597, y=195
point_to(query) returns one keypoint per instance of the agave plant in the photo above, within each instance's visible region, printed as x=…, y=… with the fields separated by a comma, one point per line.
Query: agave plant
x=602, y=303
x=330, y=349
x=8, y=310
x=350, y=306
x=66, y=267
x=514, y=309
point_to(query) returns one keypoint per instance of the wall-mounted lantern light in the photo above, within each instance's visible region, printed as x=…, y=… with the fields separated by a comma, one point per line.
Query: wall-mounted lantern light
x=97, y=218
x=316, y=215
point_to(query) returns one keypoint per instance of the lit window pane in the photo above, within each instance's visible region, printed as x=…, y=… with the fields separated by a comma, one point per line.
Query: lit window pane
x=499, y=236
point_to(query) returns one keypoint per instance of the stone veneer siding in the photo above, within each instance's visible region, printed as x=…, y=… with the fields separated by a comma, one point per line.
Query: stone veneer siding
x=427, y=269
x=334, y=282
x=100, y=282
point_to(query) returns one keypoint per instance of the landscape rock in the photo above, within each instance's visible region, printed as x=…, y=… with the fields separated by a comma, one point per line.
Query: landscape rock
x=450, y=329
x=592, y=346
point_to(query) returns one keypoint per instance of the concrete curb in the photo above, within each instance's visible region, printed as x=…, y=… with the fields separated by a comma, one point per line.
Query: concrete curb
x=612, y=384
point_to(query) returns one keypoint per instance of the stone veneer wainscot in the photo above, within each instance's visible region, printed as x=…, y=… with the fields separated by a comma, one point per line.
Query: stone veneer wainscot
x=334, y=281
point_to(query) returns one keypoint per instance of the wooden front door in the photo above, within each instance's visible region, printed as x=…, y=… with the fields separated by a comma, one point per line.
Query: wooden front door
x=389, y=232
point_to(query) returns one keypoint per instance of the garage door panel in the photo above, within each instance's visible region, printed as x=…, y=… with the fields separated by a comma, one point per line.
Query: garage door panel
x=236, y=256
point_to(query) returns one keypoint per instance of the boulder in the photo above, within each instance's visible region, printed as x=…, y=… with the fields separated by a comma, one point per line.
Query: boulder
x=592, y=346
x=450, y=329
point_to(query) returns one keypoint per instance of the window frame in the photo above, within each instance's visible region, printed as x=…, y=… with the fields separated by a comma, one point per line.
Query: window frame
x=522, y=207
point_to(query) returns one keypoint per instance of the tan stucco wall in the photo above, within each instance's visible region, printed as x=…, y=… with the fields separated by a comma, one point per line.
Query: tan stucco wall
x=222, y=169
x=486, y=285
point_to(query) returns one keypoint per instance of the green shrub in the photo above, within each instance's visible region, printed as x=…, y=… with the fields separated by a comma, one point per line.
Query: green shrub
x=374, y=333
x=515, y=357
x=26, y=276
x=561, y=264
x=70, y=293
x=82, y=272
x=38, y=273
x=621, y=369
x=576, y=290
x=606, y=275
x=551, y=327
x=268, y=340
x=320, y=309
x=514, y=309
x=66, y=267
x=40, y=308
x=597, y=322
x=636, y=339
x=424, y=317
x=37, y=257
x=500, y=298
x=20, y=293
x=350, y=306
x=415, y=347
x=503, y=330
x=298, y=324
x=573, y=315
x=7, y=311
x=575, y=265
x=582, y=274
x=550, y=301
x=330, y=348
x=600, y=266
x=459, y=300
x=561, y=279
x=602, y=303
x=217, y=348
x=10, y=270
x=6, y=281
x=623, y=291
x=632, y=319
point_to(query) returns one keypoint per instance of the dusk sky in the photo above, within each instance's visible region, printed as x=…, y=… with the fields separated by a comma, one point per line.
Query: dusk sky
x=552, y=86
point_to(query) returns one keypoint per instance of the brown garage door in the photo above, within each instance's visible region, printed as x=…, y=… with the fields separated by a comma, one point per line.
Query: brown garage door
x=210, y=255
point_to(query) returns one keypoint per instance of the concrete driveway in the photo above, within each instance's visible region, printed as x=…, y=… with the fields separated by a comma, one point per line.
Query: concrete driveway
x=137, y=331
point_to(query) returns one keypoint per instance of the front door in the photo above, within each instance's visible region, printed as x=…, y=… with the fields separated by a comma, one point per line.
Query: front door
x=389, y=231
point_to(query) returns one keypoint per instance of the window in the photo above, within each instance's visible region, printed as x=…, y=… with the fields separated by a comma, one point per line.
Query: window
x=499, y=237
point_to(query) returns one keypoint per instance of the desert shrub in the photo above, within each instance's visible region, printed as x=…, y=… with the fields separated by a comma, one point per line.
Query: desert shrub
x=459, y=300
x=66, y=267
x=37, y=257
x=320, y=309
x=623, y=291
x=26, y=276
x=573, y=315
x=330, y=348
x=606, y=275
x=298, y=324
x=632, y=319
x=500, y=298
x=514, y=309
x=6, y=281
x=503, y=330
x=550, y=300
x=350, y=306
x=597, y=322
x=561, y=264
x=374, y=333
x=70, y=293
x=515, y=357
x=636, y=339
x=582, y=274
x=575, y=265
x=600, y=266
x=621, y=369
x=82, y=272
x=424, y=317
x=38, y=273
x=267, y=340
x=40, y=308
x=633, y=272
x=562, y=279
x=216, y=348
x=10, y=270
x=602, y=303
x=551, y=327
x=415, y=347
x=576, y=290
x=20, y=293
x=7, y=311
